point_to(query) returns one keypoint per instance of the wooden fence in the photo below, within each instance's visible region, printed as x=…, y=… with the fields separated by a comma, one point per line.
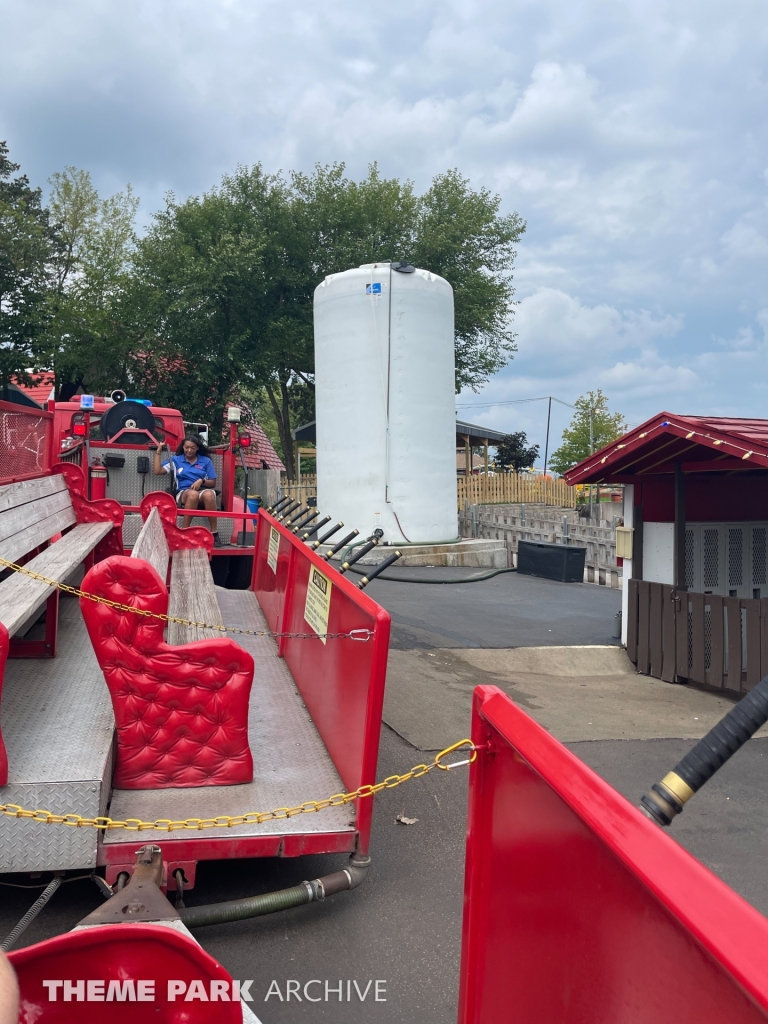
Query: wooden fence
x=299, y=492
x=718, y=641
x=511, y=488
x=503, y=488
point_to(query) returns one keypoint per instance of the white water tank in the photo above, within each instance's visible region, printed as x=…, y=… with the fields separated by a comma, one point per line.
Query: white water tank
x=385, y=402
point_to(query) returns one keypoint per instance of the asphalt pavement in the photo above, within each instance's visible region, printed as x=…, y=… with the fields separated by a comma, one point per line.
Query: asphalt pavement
x=509, y=610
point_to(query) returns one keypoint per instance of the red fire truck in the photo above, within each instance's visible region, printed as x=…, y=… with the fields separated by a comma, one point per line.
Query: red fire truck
x=113, y=439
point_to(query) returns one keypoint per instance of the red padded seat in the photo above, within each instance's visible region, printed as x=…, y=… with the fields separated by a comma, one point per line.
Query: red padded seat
x=181, y=712
x=121, y=973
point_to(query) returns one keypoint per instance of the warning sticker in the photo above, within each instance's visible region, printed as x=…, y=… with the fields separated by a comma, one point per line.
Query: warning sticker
x=318, y=601
x=274, y=547
x=373, y=289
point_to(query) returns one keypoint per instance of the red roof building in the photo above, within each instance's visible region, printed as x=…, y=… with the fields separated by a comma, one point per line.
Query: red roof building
x=41, y=390
x=695, y=543
x=260, y=454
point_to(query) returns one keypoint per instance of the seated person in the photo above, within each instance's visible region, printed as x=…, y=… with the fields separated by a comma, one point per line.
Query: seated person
x=195, y=479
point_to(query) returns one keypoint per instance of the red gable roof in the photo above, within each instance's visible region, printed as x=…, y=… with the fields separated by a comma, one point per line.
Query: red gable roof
x=260, y=450
x=697, y=443
x=41, y=390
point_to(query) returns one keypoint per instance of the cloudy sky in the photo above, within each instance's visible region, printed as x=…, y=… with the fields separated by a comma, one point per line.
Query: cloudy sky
x=631, y=135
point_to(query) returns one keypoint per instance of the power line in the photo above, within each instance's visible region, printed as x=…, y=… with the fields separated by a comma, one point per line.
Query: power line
x=514, y=401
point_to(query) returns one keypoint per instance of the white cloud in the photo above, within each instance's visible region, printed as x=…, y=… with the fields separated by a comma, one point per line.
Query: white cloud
x=649, y=377
x=631, y=136
x=557, y=330
x=745, y=242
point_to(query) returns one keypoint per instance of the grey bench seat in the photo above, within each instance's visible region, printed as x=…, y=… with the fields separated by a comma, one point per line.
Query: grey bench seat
x=192, y=593
x=32, y=513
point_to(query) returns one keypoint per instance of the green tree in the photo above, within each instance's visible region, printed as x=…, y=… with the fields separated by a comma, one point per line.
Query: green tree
x=593, y=426
x=223, y=285
x=513, y=452
x=450, y=230
x=460, y=235
x=204, y=295
x=26, y=253
x=96, y=239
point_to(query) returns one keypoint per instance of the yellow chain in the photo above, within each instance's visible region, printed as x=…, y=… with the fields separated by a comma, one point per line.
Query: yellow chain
x=252, y=817
x=355, y=634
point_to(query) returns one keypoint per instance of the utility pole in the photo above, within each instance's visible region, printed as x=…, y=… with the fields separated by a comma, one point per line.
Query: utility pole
x=591, y=451
x=546, y=444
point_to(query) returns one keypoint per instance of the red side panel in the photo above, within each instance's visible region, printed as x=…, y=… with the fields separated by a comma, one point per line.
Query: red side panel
x=268, y=583
x=342, y=680
x=181, y=712
x=579, y=910
x=5, y=644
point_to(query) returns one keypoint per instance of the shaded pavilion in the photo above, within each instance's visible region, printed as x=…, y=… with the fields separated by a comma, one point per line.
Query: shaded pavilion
x=468, y=436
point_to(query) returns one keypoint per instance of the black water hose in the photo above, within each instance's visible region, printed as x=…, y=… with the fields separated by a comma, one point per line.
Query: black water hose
x=377, y=570
x=288, y=510
x=306, y=519
x=666, y=798
x=315, y=528
x=360, y=553
x=271, y=902
x=342, y=543
x=295, y=515
x=275, y=509
x=467, y=579
x=321, y=540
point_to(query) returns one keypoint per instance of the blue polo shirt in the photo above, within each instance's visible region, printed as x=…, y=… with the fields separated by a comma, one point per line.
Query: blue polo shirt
x=189, y=472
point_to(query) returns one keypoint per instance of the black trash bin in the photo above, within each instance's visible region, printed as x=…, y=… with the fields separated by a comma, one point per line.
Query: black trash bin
x=562, y=562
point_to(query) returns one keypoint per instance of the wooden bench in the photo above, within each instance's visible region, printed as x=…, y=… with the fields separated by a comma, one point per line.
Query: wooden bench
x=192, y=593
x=33, y=517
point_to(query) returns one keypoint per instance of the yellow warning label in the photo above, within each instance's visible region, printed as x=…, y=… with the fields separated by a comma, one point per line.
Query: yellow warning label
x=318, y=601
x=274, y=547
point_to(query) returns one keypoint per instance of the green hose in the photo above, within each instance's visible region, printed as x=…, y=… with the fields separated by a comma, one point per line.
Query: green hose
x=271, y=902
x=238, y=910
x=408, y=579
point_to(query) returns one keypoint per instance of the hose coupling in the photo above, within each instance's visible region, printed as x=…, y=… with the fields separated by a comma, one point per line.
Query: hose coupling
x=315, y=889
x=666, y=799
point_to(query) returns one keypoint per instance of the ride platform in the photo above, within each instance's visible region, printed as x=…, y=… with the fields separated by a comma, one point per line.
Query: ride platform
x=58, y=726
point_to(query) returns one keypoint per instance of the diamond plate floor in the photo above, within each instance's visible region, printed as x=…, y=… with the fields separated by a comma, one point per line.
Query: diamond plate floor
x=291, y=764
x=58, y=726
